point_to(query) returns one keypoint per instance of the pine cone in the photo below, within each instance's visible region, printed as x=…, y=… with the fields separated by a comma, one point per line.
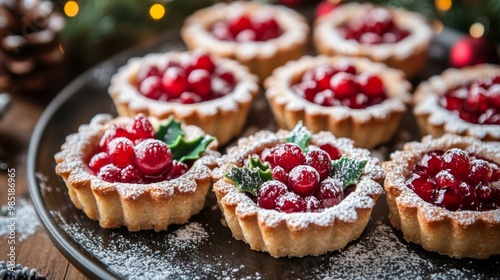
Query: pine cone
x=29, y=42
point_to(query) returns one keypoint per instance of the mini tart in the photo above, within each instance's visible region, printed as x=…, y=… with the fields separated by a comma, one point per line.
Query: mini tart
x=367, y=127
x=458, y=234
x=260, y=57
x=135, y=206
x=436, y=120
x=222, y=117
x=408, y=55
x=301, y=233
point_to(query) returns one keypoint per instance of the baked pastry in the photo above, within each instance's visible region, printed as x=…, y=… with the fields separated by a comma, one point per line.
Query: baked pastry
x=122, y=172
x=214, y=94
x=461, y=101
x=444, y=194
x=260, y=36
x=396, y=37
x=351, y=97
x=293, y=193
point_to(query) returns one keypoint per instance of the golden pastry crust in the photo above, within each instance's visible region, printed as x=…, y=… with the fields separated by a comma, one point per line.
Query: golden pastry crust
x=436, y=120
x=136, y=206
x=408, y=55
x=296, y=234
x=222, y=117
x=367, y=127
x=458, y=234
x=260, y=57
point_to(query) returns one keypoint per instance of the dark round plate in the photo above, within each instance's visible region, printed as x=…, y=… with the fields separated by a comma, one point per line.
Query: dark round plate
x=204, y=247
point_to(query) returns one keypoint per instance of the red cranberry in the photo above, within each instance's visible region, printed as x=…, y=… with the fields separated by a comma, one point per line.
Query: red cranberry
x=431, y=162
x=174, y=82
x=379, y=21
x=238, y=24
x=422, y=186
x=457, y=161
x=201, y=60
x=371, y=85
x=448, y=198
x=269, y=192
x=280, y=174
x=313, y=204
x=140, y=128
x=152, y=157
x=319, y=160
x=343, y=85
x=291, y=202
x=151, y=87
x=178, y=168
x=332, y=151
x=147, y=71
x=444, y=179
x=188, y=97
x=98, y=161
x=288, y=156
x=267, y=155
x=110, y=173
x=480, y=171
x=121, y=152
x=200, y=82
x=303, y=180
x=330, y=192
x=468, y=194
x=111, y=133
x=130, y=174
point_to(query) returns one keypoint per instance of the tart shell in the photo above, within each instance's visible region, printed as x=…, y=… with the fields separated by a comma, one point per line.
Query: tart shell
x=409, y=55
x=436, y=120
x=260, y=57
x=135, y=206
x=458, y=234
x=296, y=234
x=222, y=117
x=367, y=127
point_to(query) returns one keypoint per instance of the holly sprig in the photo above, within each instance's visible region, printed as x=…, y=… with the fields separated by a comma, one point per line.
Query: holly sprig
x=300, y=135
x=347, y=170
x=250, y=178
x=172, y=134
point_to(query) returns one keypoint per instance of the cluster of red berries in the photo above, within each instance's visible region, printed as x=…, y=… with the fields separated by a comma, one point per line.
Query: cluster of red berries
x=247, y=28
x=476, y=102
x=377, y=27
x=340, y=85
x=195, y=80
x=456, y=180
x=301, y=181
x=132, y=154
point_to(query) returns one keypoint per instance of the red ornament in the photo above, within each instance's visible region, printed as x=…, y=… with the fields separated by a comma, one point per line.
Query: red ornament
x=324, y=7
x=469, y=51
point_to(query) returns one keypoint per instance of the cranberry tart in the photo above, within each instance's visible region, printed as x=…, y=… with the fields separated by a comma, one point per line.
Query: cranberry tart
x=396, y=37
x=260, y=36
x=351, y=97
x=444, y=194
x=214, y=94
x=461, y=101
x=137, y=172
x=293, y=193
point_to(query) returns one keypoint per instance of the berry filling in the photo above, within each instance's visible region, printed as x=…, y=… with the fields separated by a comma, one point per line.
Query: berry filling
x=376, y=27
x=257, y=27
x=456, y=180
x=297, y=177
x=195, y=80
x=132, y=154
x=340, y=85
x=476, y=102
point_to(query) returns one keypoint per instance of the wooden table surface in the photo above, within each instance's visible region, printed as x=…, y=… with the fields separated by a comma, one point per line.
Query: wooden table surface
x=36, y=249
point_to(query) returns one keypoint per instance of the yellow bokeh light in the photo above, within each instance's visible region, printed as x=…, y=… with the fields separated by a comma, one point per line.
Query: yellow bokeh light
x=157, y=11
x=71, y=8
x=443, y=5
x=476, y=30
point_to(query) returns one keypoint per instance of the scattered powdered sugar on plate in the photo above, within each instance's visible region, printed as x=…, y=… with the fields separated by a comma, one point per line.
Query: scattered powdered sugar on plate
x=25, y=220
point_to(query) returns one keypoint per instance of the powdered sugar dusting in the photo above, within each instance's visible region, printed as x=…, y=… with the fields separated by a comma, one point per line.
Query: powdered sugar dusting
x=25, y=220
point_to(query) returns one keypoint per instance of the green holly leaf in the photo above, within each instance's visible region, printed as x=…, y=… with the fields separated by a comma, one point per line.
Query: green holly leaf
x=170, y=131
x=250, y=178
x=348, y=170
x=183, y=150
x=300, y=135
